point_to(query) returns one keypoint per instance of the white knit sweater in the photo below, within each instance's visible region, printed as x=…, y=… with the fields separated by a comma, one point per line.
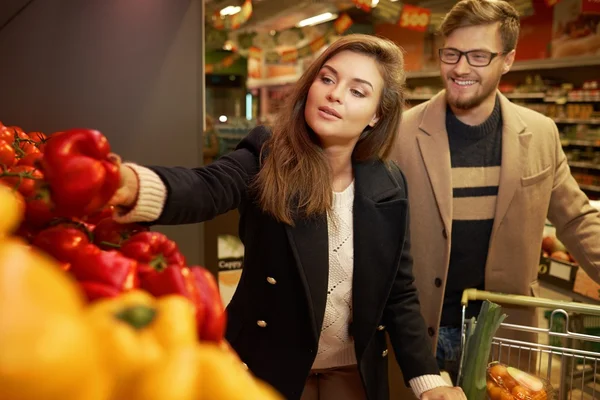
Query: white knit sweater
x=336, y=347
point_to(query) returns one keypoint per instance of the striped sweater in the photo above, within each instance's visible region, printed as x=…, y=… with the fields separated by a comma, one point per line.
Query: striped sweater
x=476, y=154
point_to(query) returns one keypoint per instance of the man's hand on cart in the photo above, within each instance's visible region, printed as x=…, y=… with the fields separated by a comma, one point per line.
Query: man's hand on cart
x=444, y=393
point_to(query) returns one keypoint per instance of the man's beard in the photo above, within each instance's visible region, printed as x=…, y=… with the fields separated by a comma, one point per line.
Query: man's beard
x=471, y=102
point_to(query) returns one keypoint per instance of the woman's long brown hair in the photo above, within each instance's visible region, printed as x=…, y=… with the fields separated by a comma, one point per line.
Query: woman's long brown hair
x=295, y=178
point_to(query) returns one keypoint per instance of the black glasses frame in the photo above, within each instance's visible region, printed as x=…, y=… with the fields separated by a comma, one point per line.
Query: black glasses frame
x=466, y=54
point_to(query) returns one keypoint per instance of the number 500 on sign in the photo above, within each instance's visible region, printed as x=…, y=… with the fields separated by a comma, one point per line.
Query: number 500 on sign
x=415, y=18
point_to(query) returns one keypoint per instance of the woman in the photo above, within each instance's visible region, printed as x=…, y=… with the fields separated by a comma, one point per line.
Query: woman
x=323, y=217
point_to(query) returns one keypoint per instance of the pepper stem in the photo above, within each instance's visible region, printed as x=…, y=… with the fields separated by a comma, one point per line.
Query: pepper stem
x=138, y=316
x=111, y=244
x=158, y=263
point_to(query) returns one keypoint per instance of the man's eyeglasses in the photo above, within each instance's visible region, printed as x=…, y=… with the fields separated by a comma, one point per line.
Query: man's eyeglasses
x=475, y=58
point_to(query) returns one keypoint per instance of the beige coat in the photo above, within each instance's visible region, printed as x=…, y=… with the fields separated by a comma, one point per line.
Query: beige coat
x=535, y=183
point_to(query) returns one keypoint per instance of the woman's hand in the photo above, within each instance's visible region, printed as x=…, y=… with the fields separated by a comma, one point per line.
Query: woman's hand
x=444, y=393
x=126, y=195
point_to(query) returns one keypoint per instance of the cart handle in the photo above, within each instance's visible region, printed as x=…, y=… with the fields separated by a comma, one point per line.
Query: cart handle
x=528, y=301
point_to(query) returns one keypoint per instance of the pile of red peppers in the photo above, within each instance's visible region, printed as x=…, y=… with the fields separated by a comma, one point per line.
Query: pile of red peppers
x=66, y=180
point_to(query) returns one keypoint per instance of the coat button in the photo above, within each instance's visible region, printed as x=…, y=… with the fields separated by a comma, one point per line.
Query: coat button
x=438, y=282
x=444, y=233
x=385, y=353
x=261, y=323
x=381, y=327
x=271, y=280
x=431, y=331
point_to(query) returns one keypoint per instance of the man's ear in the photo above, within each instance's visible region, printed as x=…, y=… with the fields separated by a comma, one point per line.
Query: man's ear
x=508, y=61
x=374, y=120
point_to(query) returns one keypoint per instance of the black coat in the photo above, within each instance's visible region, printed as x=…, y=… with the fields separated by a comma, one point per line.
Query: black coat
x=285, y=274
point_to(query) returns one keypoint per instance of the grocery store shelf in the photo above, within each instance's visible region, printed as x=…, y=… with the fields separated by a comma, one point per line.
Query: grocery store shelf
x=583, y=100
x=419, y=96
x=584, y=164
x=518, y=96
x=553, y=63
x=278, y=81
x=565, y=99
x=589, y=143
x=513, y=96
x=590, y=188
x=423, y=74
x=568, y=293
x=531, y=65
x=576, y=121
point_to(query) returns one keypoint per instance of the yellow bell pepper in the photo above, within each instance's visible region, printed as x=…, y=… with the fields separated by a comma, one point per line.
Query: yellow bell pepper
x=146, y=343
x=12, y=209
x=47, y=349
x=225, y=377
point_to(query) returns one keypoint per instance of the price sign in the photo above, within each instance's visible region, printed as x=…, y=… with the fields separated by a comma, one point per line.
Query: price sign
x=590, y=6
x=364, y=5
x=414, y=18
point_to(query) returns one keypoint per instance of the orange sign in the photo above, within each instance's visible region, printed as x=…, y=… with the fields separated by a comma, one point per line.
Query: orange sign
x=342, y=24
x=289, y=56
x=414, y=18
x=231, y=22
x=590, y=6
x=364, y=5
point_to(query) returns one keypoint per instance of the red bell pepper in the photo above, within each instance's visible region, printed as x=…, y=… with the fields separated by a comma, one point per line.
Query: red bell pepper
x=80, y=171
x=174, y=279
x=110, y=268
x=95, y=291
x=62, y=241
x=153, y=250
x=96, y=217
x=109, y=234
x=213, y=326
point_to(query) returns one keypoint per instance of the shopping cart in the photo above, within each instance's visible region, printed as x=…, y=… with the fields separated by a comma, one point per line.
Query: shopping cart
x=572, y=368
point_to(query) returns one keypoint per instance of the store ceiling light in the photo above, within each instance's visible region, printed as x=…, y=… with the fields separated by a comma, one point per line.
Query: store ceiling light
x=230, y=10
x=317, y=19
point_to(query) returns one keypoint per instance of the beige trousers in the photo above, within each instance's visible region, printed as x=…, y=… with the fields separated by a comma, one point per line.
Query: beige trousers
x=334, y=384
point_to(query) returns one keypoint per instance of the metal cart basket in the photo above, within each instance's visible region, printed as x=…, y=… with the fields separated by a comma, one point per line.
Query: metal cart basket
x=570, y=361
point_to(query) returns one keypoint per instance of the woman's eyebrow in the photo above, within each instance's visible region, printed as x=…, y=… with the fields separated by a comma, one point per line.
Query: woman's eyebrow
x=329, y=67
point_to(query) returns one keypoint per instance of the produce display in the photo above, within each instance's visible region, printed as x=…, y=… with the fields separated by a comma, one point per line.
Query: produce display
x=555, y=249
x=508, y=383
x=96, y=310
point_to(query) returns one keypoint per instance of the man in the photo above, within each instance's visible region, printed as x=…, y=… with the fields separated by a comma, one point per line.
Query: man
x=483, y=174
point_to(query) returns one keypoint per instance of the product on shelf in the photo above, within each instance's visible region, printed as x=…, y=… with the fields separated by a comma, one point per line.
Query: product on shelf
x=553, y=248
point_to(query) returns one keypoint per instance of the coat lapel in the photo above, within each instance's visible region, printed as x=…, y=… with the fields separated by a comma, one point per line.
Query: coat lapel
x=310, y=245
x=515, y=143
x=380, y=211
x=435, y=150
